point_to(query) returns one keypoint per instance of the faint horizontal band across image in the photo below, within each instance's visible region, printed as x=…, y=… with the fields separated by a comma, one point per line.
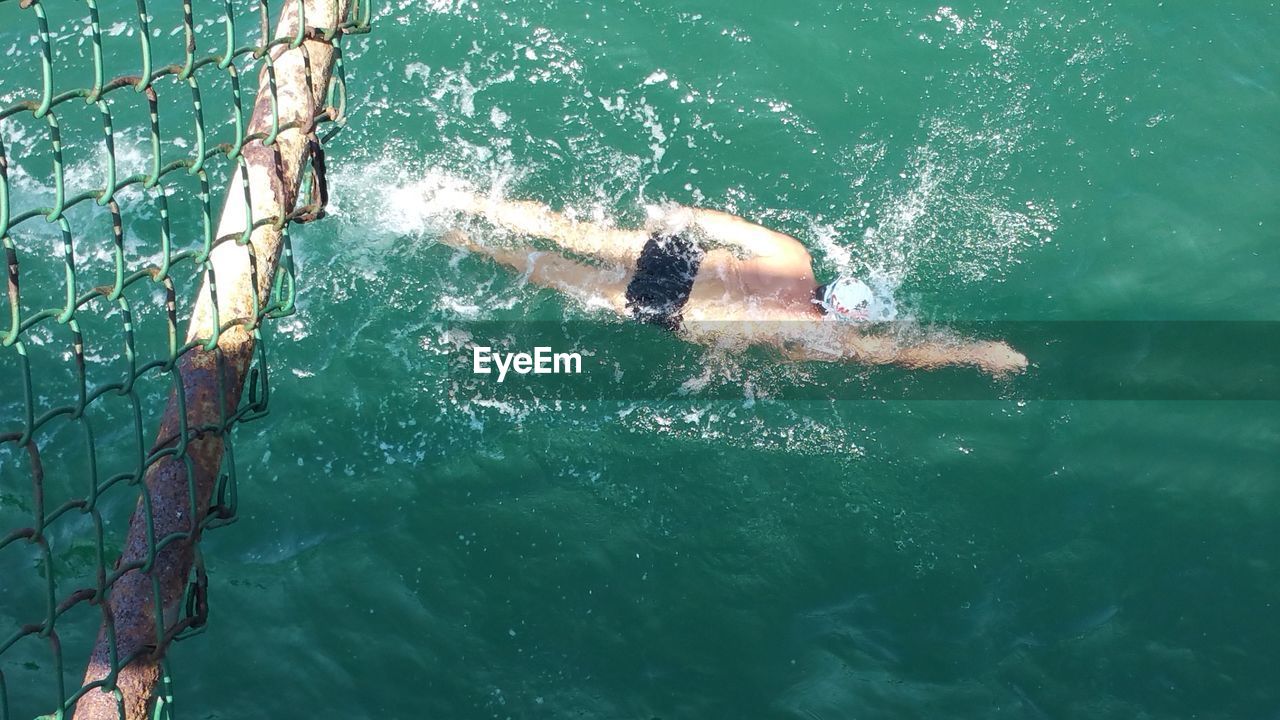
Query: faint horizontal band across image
x=547, y=362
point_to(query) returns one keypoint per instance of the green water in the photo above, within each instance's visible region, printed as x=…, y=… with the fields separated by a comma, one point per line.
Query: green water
x=411, y=545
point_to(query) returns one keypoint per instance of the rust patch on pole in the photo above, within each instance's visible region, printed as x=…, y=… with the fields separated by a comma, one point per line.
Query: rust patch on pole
x=178, y=488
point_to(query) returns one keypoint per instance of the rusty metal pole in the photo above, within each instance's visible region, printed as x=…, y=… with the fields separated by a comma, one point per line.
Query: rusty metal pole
x=244, y=281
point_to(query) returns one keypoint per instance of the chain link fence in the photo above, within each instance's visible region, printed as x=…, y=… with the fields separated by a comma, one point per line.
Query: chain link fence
x=111, y=162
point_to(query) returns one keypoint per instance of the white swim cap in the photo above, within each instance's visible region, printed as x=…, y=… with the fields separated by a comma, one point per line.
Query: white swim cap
x=848, y=298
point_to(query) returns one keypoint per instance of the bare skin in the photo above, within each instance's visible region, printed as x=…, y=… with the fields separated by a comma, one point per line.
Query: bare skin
x=755, y=286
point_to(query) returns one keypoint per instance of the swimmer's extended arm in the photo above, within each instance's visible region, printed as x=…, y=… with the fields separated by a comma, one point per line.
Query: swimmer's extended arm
x=994, y=358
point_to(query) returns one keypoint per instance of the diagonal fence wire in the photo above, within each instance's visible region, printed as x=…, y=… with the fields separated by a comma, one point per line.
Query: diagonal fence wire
x=107, y=221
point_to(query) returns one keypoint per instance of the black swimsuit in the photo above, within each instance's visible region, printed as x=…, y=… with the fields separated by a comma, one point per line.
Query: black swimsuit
x=664, y=277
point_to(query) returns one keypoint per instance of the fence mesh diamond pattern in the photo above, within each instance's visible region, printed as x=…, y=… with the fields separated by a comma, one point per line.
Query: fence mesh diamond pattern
x=111, y=164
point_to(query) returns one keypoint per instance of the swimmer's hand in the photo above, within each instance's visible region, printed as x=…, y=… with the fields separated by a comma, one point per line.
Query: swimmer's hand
x=997, y=359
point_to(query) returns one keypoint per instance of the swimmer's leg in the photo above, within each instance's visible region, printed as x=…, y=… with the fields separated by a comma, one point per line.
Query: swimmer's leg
x=583, y=282
x=620, y=247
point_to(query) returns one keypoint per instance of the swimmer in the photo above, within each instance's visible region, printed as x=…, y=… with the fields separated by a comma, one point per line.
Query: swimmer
x=715, y=279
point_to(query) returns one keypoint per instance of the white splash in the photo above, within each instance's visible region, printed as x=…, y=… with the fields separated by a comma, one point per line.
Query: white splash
x=656, y=77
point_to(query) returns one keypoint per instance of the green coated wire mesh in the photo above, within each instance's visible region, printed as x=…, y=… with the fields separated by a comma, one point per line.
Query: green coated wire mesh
x=111, y=163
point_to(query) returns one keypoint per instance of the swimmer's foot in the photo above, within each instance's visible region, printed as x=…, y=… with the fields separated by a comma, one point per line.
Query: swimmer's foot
x=452, y=200
x=460, y=240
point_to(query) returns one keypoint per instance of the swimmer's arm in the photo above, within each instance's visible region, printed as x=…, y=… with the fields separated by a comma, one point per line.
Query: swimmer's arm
x=994, y=358
x=739, y=234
